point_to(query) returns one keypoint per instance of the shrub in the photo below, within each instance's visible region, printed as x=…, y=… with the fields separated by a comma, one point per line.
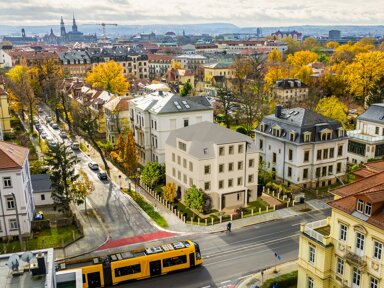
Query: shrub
x=241, y=130
x=285, y=280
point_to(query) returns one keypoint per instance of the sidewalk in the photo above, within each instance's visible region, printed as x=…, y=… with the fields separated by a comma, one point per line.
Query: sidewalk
x=258, y=279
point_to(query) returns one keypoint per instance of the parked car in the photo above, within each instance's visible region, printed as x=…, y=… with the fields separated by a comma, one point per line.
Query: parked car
x=75, y=146
x=48, y=119
x=63, y=135
x=40, y=129
x=40, y=111
x=102, y=175
x=44, y=135
x=55, y=126
x=37, y=126
x=93, y=166
x=52, y=143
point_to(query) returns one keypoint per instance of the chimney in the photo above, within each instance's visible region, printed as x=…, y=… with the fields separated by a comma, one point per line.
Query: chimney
x=41, y=265
x=278, y=111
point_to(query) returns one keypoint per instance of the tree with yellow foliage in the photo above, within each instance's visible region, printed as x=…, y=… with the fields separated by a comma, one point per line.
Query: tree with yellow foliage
x=108, y=76
x=333, y=108
x=175, y=64
x=347, y=52
x=275, y=57
x=301, y=58
x=273, y=74
x=304, y=74
x=364, y=72
x=332, y=45
x=310, y=43
x=169, y=192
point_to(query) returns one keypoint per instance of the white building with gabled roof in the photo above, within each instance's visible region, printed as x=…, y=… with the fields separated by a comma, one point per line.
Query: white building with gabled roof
x=153, y=116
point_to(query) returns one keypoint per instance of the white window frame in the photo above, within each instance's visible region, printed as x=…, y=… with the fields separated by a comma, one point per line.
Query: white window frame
x=377, y=249
x=373, y=283
x=310, y=282
x=360, y=206
x=343, y=232
x=13, y=225
x=356, y=277
x=368, y=209
x=340, y=266
x=311, y=254
x=11, y=205
x=7, y=182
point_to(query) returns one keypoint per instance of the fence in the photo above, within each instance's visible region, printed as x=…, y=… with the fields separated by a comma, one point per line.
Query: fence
x=286, y=201
x=209, y=220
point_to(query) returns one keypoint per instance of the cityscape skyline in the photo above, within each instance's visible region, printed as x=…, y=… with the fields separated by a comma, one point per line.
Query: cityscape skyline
x=243, y=13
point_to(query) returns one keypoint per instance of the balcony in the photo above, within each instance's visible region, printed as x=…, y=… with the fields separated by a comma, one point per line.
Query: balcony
x=355, y=260
x=357, y=134
x=318, y=230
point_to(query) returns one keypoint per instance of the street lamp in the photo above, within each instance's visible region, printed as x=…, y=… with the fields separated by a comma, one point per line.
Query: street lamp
x=138, y=177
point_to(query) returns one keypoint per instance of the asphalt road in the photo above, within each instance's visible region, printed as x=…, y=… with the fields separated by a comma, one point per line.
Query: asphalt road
x=230, y=257
x=120, y=217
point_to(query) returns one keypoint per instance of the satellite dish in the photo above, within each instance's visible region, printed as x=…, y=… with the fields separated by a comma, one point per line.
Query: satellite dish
x=27, y=256
x=13, y=262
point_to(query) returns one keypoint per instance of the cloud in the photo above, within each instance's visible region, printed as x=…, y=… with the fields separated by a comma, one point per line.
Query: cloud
x=241, y=12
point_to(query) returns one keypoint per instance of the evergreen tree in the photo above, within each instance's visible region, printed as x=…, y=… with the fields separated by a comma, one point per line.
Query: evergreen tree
x=63, y=174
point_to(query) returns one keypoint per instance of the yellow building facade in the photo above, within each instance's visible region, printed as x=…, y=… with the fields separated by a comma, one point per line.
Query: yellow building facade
x=346, y=249
x=5, y=117
x=218, y=69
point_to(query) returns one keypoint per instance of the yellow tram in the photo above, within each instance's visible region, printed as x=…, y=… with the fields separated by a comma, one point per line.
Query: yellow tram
x=137, y=264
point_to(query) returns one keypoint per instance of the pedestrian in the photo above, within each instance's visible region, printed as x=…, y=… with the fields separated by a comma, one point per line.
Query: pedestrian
x=229, y=225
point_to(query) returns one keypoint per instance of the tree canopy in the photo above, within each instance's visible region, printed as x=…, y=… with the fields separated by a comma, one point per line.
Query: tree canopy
x=153, y=174
x=108, y=76
x=333, y=108
x=194, y=198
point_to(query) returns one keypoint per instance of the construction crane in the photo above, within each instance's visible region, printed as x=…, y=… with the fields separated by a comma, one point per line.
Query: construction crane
x=104, y=37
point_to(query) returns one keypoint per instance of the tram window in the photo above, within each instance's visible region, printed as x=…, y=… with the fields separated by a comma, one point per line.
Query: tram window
x=127, y=270
x=167, y=262
x=84, y=279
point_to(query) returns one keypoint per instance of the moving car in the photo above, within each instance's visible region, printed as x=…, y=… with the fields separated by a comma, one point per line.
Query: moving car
x=93, y=166
x=48, y=119
x=102, y=175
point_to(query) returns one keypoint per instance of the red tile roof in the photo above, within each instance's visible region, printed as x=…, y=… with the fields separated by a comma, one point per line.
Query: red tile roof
x=12, y=156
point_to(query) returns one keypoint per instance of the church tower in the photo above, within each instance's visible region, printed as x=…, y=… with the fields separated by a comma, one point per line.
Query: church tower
x=62, y=28
x=74, y=26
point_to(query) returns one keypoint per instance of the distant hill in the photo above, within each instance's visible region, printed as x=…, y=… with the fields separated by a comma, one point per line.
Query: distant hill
x=209, y=28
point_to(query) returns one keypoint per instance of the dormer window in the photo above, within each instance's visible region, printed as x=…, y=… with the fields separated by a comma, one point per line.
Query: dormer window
x=368, y=209
x=364, y=207
x=292, y=136
x=341, y=132
x=326, y=134
x=276, y=131
x=360, y=206
x=307, y=136
x=262, y=127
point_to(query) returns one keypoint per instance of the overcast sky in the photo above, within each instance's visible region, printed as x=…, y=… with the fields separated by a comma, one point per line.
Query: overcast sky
x=239, y=12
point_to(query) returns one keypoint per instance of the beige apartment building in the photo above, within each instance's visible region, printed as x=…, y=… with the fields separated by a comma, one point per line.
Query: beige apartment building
x=223, y=163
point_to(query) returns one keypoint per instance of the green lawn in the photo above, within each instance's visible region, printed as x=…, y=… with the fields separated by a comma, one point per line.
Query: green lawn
x=48, y=238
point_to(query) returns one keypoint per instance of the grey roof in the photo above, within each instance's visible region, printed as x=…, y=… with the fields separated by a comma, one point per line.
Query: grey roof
x=289, y=83
x=374, y=113
x=205, y=135
x=41, y=183
x=74, y=56
x=300, y=120
x=185, y=104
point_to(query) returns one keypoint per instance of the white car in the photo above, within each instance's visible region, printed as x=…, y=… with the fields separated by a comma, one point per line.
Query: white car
x=44, y=135
x=93, y=166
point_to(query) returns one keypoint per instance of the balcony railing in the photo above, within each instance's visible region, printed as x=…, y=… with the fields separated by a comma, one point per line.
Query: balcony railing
x=353, y=259
x=358, y=135
x=318, y=230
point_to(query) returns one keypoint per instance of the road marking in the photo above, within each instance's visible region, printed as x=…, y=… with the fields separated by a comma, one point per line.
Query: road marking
x=208, y=286
x=246, y=276
x=224, y=282
x=297, y=224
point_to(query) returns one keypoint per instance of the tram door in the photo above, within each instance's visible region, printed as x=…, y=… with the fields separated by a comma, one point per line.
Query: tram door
x=94, y=280
x=155, y=267
x=192, y=259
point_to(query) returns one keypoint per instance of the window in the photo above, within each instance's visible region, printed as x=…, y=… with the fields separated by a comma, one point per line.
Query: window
x=305, y=173
x=310, y=282
x=173, y=172
x=251, y=162
x=261, y=144
x=324, y=173
x=374, y=283
x=360, y=238
x=262, y=127
x=221, y=184
x=185, y=178
x=207, y=186
x=190, y=182
x=377, y=130
x=7, y=182
x=10, y=203
x=179, y=175
x=331, y=152
x=250, y=178
x=221, y=151
x=292, y=136
x=378, y=247
x=230, y=166
x=184, y=163
x=173, y=157
x=127, y=270
x=190, y=166
x=240, y=148
x=312, y=254
x=274, y=157
x=306, y=156
x=230, y=150
x=276, y=132
x=338, y=168
x=13, y=224
x=356, y=148
x=207, y=169
x=289, y=172
x=182, y=146
x=368, y=209
x=340, y=150
x=240, y=165
x=343, y=232
x=42, y=197
x=325, y=154
x=307, y=137
x=221, y=168
x=178, y=260
x=290, y=154
x=319, y=154
x=318, y=172
x=239, y=181
x=356, y=276
x=340, y=266
x=330, y=170
x=341, y=132
x=230, y=182
x=360, y=206
x=326, y=136
x=178, y=160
